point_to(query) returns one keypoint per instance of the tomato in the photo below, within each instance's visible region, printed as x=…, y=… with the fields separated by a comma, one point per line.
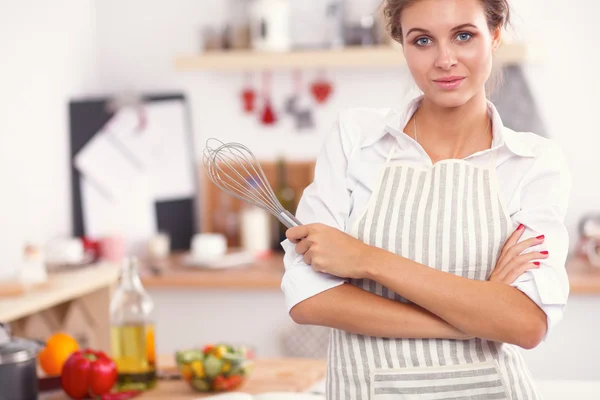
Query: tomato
x=219, y=383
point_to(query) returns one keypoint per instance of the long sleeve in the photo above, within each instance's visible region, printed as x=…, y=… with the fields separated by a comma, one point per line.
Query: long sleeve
x=544, y=200
x=326, y=200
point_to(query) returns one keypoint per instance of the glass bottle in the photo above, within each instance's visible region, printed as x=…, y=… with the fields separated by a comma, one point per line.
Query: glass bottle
x=132, y=331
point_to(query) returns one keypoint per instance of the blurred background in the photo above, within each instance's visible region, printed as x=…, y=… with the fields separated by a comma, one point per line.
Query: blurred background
x=105, y=108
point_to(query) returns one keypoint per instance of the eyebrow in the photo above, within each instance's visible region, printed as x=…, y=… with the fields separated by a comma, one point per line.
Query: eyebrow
x=456, y=28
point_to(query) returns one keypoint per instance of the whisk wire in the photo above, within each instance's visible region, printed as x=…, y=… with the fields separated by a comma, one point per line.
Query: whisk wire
x=234, y=169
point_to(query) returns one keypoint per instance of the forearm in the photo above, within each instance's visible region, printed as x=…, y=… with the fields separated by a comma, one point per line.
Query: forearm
x=489, y=310
x=355, y=310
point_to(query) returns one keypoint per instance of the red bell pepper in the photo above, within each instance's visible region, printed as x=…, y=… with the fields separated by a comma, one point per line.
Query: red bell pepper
x=88, y=373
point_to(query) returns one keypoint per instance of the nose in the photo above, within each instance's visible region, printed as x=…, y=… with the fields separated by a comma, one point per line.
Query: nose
x=445, y=58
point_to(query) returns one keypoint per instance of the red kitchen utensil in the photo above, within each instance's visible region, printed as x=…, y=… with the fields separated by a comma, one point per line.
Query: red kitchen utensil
x=321, y=89
x=268, y=116
x=248, y=95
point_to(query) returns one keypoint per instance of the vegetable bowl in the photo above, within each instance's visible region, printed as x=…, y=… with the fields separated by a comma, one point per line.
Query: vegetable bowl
x=215, y=368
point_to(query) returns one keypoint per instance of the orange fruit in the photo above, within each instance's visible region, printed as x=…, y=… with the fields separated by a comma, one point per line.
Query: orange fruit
x=58, y=348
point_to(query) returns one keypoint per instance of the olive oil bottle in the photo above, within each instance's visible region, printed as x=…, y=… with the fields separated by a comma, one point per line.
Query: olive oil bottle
x=132, y=331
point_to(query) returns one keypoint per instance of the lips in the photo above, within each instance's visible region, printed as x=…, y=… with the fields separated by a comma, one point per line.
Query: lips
x=449, y=82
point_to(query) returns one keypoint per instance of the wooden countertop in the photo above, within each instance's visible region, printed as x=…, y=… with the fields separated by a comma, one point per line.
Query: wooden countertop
x=269, y=375
x=266, y=275
x=60, y=287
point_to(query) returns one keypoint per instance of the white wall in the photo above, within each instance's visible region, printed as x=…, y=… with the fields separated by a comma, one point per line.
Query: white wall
x=47, y=54
x=138, y=40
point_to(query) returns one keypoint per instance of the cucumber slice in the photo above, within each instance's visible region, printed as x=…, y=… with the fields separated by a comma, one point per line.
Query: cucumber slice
x=212, y=366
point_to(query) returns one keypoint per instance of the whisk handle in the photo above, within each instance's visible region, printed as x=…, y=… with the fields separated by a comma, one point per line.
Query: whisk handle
x=288, y=219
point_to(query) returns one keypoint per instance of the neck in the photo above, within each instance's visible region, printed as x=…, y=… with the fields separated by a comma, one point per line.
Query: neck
x=453, y=132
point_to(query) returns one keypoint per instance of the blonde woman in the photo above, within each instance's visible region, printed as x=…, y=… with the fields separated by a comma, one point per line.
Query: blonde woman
x=435, y=243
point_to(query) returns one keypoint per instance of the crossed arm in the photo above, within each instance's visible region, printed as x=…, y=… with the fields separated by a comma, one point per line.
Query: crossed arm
x=445, y=305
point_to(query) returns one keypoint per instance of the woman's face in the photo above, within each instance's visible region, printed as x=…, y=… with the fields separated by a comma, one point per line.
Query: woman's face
x=448, y=47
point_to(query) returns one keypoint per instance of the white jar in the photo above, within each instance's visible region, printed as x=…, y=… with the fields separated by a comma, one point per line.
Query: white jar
x=270, y=25
x=255, y=232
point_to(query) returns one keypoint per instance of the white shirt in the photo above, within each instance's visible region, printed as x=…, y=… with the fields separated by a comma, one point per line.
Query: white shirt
x=532, y=173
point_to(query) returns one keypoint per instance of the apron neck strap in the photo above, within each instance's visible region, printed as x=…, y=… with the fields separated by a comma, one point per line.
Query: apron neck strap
x=391, y=153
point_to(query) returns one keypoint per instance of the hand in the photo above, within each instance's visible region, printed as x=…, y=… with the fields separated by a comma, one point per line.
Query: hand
x=329, y=250
x=511, y=263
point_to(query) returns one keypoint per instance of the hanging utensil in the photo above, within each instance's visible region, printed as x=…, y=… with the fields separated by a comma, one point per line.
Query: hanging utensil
x=321, y=88
x=248, y=94
x=268, y=116
x=234, y=169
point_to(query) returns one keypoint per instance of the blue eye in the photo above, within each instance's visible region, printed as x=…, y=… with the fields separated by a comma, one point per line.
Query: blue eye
x=422, y=41
x=464, y=36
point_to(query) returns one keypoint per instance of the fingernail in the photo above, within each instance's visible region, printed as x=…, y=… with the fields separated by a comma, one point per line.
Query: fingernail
x=544, y=252
x=521, y=226
x=540, y=237
x=536, y=263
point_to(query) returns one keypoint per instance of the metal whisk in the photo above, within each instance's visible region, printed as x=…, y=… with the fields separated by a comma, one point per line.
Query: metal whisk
x=235, y=170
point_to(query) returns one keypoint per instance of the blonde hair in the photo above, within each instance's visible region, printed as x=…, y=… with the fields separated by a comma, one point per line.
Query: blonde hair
x=497, y=14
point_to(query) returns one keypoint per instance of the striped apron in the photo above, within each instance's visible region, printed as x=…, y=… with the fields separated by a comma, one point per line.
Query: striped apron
x=450, y=217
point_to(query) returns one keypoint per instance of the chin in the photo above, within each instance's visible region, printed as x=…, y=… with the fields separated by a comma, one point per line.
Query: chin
x=449, y=99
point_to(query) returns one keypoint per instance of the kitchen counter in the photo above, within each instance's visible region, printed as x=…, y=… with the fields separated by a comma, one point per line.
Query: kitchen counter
x=269, y=375
x=266, y=274
x=263, y=274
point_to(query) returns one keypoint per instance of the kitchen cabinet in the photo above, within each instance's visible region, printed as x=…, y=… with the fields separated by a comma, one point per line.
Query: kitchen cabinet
x=86, y=289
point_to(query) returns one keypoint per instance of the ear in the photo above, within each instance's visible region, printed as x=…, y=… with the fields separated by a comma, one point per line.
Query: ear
x=496, y=38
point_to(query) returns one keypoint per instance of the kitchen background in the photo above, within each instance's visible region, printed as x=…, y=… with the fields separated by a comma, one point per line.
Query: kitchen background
x=68, y=50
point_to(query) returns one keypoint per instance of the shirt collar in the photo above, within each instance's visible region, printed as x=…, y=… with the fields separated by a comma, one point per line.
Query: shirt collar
x=393, y=123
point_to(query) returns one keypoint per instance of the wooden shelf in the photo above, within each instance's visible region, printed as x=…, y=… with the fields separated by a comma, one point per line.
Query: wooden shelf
x=351, y=57
x=61, y=287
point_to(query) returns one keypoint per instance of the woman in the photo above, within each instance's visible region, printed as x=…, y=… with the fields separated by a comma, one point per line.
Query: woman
x=446, y=227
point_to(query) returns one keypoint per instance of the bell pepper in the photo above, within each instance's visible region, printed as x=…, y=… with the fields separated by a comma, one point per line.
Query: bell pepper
x=88, y=373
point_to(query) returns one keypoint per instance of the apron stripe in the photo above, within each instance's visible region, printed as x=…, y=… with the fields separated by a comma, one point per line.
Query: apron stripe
x=421, y=225
x=393, y=189
x=477, y=214
x=509, y=372
x=489, y=223
x=514, y=358
x=413, y=220
x=337, y=364
x=332, y=365
x=345, y=358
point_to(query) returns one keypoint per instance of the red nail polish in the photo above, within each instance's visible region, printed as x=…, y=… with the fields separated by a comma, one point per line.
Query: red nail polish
x=540, y=237
x=544, y=252
x=521, y=226
x=536, y=263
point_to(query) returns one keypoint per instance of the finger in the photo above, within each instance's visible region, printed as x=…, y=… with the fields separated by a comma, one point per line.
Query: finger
x=520, y=270
x=510, y=242
x=296, y=233
x=513, y=239
x=520, y=260
x=302, y=247
x=519, y=248
x=307, y=257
